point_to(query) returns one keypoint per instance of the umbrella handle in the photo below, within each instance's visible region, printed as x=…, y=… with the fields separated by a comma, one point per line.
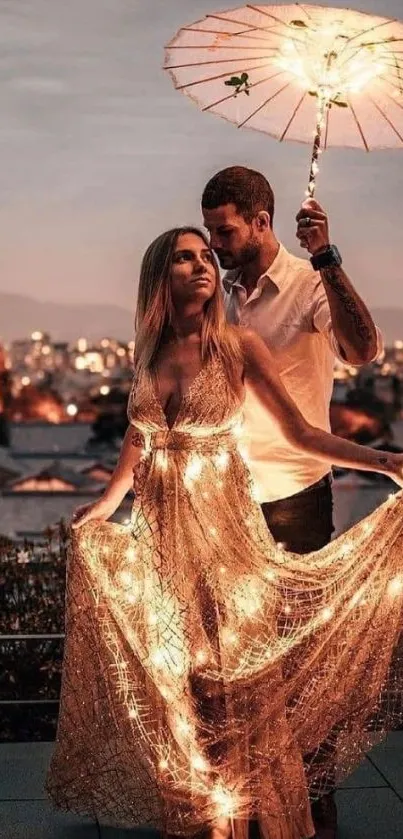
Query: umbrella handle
x=321, y=117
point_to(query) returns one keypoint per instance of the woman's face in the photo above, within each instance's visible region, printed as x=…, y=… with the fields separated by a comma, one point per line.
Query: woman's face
x=193, y=271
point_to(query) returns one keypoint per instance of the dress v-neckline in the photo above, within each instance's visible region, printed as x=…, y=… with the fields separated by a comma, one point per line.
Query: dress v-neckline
x=184, y=398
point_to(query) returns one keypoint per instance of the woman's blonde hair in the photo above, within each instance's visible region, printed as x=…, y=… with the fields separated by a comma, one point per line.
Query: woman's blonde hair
x=155, y=310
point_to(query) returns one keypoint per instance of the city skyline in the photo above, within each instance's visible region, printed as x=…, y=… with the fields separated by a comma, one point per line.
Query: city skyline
x=100, y=154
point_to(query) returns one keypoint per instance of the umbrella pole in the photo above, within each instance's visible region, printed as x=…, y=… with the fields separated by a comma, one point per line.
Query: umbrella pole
x=316, y=149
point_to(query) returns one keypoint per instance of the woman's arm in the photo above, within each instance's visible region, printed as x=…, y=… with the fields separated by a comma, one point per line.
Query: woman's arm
x=119, y=484
x=261, y=374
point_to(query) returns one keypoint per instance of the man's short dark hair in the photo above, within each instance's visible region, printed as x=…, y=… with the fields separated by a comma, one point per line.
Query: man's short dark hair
x=247, y=189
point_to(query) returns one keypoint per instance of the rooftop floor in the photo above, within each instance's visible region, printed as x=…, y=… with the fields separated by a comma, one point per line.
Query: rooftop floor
x=370, y=803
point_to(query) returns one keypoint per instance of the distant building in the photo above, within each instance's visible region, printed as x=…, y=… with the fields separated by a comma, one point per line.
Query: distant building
x=54, y=478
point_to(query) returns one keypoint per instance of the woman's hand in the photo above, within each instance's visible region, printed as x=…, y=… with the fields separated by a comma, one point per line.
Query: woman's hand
x=101, y=509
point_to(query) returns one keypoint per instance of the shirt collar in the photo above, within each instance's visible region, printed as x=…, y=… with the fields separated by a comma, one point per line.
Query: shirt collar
x=276, y=273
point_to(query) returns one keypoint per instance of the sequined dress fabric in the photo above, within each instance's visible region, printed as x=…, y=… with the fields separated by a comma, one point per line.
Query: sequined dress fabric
x=208, y=672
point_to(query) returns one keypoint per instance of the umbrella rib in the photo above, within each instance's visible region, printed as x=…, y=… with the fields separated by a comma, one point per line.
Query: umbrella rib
x=386, y=118
x=209, y=47
x=389, y=54
x=244, y=34
x=219, y=76
x=392, y=99
x=379, y=43
x=370, y=29
x=397, y=87
x=213, y=61
x=263, y=105
x=358, y=124
x=253, y=27
x=296, y=109
x=231, y=95
x=303, y=9
x=269, y=15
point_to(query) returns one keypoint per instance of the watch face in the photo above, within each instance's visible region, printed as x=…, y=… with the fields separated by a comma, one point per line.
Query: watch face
x=326, y=258
x=335, y=253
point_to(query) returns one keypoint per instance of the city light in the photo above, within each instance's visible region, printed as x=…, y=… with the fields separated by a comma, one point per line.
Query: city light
x=72, y=410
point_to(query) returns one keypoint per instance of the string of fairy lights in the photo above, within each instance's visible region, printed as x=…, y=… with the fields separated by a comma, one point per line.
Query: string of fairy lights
x=319, y=60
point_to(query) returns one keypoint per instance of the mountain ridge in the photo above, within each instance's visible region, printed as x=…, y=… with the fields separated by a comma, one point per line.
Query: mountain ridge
x=21, y=315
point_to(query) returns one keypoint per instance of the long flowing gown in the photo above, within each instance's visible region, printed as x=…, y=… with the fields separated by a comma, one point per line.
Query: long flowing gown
x=204, y=666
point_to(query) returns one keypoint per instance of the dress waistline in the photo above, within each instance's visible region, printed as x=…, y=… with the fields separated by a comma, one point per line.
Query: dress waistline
x=183, y=441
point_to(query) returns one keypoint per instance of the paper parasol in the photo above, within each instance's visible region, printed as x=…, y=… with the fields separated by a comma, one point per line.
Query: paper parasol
x=288, y=69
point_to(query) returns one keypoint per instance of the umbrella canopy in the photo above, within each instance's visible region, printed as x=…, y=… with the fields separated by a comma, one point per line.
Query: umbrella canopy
x=331, y=77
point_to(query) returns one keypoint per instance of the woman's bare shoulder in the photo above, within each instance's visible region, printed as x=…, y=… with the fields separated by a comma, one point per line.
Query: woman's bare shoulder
x=252, y=345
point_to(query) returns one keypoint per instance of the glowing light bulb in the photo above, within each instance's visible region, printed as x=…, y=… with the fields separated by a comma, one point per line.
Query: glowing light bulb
x=131, y=555
x=157, y=657
x=287, y=609
x=201, y=656
x=347, y=548
x=367, y=528
x=133, y=713
x=126, y=578
x=193, y=469
x=221, y=460
x=327, y=614
x=183, y=726
x=357, y=599
x=224, y=800
x=228, y=636
x=161, y=460
x=163, y=764
x=199, y=764
x=395, y=586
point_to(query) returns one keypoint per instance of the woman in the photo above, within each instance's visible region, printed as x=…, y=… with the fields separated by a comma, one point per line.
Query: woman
x=202, y=661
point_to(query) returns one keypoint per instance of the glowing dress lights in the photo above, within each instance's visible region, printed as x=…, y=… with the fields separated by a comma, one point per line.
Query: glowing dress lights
x=202, y=660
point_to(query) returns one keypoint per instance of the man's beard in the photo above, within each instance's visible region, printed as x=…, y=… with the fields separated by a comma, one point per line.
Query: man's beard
x=246, y=255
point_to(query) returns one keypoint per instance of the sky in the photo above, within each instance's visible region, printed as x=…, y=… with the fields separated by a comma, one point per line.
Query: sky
x=99, y=154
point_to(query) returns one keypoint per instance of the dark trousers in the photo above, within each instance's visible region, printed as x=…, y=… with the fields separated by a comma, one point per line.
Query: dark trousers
x=304, y=523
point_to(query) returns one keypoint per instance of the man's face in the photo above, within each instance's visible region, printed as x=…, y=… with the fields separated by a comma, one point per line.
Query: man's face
x=235, y=242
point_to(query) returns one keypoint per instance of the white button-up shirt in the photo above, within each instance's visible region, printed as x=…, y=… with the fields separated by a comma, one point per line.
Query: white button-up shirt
x=290, y=311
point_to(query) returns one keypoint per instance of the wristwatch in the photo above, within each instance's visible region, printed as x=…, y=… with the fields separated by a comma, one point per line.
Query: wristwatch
x=327, y=258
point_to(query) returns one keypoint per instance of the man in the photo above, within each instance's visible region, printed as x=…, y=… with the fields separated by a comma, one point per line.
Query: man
x=308, y=313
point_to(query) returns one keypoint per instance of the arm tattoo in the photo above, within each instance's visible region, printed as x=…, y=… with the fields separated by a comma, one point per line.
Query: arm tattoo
x=334, y=280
